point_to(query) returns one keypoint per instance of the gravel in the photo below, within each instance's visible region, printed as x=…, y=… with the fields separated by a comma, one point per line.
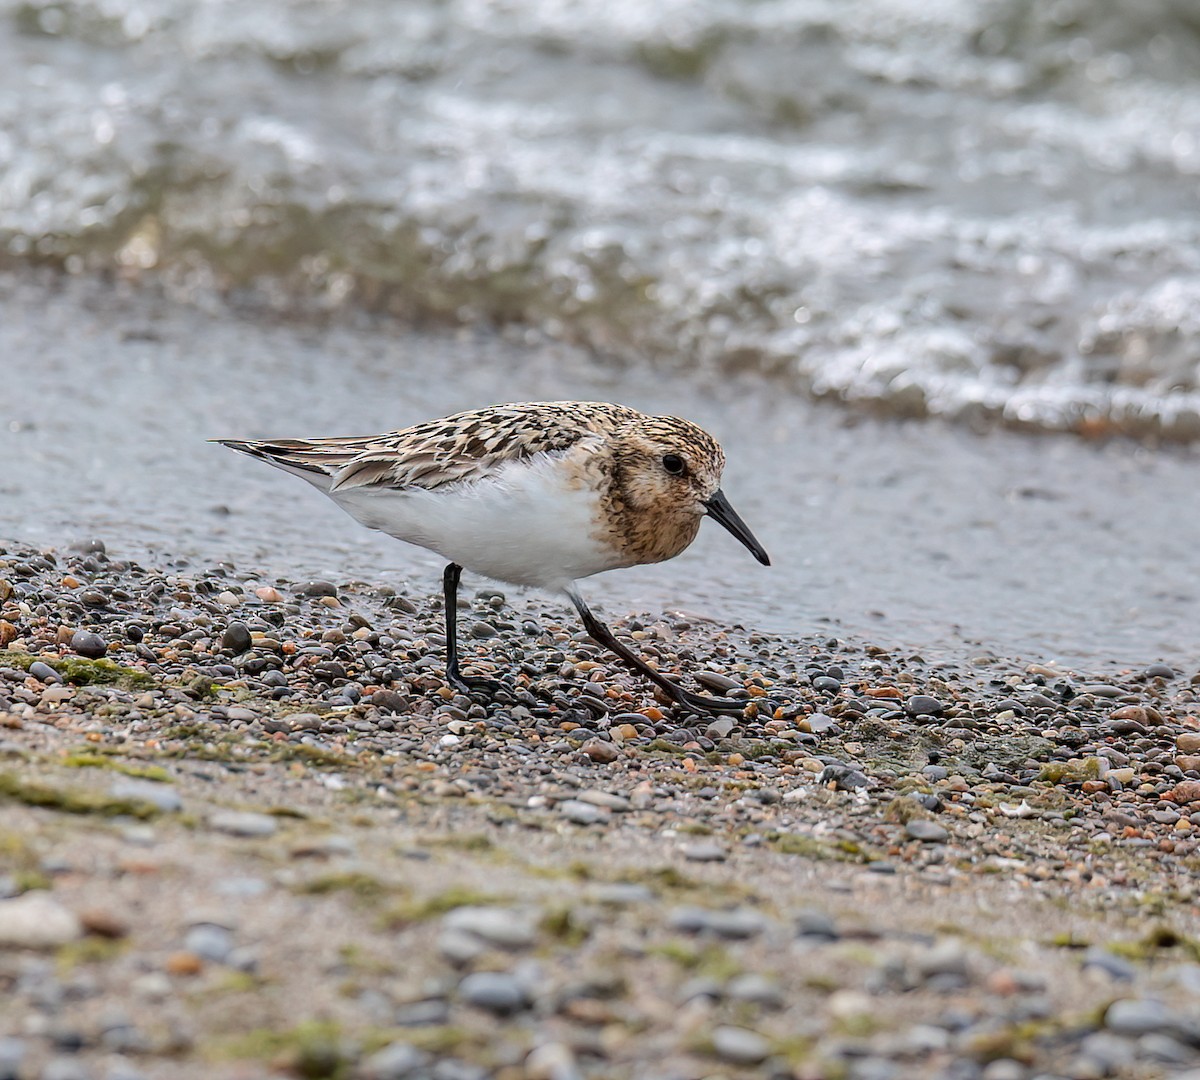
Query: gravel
x=258, y=834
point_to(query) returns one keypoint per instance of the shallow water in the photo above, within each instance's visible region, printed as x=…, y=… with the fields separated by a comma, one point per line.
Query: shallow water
x=915, y=535
x=972, y=211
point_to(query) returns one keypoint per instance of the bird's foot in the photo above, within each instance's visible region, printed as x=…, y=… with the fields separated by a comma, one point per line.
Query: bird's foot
x=473, y=684
x=702, y=703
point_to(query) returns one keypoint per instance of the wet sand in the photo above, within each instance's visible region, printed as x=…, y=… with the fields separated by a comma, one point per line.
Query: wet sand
x=916, y=535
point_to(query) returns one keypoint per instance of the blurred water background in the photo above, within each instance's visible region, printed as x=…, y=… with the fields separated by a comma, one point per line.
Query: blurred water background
x=956, y=216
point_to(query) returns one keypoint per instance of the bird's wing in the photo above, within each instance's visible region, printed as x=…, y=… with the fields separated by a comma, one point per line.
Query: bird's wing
x=455, y=449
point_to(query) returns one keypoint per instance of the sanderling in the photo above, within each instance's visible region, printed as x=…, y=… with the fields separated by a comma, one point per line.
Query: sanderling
x=537, y=493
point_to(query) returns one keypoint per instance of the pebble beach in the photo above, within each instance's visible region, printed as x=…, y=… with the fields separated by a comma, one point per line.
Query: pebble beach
x=246, y=830
x=930, y=273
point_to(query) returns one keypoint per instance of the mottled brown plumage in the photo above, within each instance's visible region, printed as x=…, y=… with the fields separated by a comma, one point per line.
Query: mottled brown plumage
x=534, y=493
x=462, y=447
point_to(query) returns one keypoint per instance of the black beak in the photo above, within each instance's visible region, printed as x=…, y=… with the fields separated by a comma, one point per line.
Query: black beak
x=720, y=510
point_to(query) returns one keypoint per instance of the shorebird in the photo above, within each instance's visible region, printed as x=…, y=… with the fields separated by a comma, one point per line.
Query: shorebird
x=535, y=493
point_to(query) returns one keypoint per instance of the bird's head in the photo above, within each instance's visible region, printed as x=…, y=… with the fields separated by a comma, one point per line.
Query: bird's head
x=668, y=473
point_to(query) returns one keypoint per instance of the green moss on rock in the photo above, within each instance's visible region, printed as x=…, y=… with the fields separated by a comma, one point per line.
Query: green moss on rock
x=72, y=801
x=79, y=671
x=87, y=759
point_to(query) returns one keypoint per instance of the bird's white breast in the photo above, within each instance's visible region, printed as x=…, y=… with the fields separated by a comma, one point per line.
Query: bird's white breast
x=527, y=523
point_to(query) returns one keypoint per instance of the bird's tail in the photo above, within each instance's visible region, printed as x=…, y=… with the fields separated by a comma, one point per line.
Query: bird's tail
x=290, y=455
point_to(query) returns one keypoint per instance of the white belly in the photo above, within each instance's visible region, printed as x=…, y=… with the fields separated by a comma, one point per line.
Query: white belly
x=524, y=525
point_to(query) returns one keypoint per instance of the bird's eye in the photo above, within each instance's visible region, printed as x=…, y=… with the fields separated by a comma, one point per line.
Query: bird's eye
x=673, y=463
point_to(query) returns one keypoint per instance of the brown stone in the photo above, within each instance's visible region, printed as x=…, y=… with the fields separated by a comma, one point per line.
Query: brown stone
x=1129, y=712
x=103, y=923
x=8, y=633
x=1186, y=791
x=1188, y=742
x=1002, y=981
x=184, y=963
x=588, y=1011
x=1188, y=762
x=599, y=750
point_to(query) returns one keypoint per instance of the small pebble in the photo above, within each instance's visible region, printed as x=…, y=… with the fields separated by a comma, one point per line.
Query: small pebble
x=389, y=701
x=818, y=723
x=945, y=957
x=1102, y=690
x=843, y=778
x=738, y=924
x=811, y=923
x=756, y=989
x=1108, y=1051
x=1165, y=1049
x=929, y=832
x=183, y=962
x=243, y=823
x=552, y=1061
x=396, y=1061
x=66, y=1068
x=496, y=991
x=460, y=948
x=1100, y=959
x=103, y=923
x=1134, y=1016
x=923, y=705
x=210, y=942
x=582, y=813
x=740, y=1046
x=44, y=672
x=503, y=927
x=429, y=1013
x=720, y=728
x=236, y=638
x=12, y=1054
x=317, y=588
x=1005, y=1069
x=88, y=644
x=602, y=751
x=620, y=894
x=161, y=796
x=35, y=920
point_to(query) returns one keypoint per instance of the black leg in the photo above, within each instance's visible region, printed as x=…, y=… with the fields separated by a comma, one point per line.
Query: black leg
x=695, y=702
x=454, y=676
